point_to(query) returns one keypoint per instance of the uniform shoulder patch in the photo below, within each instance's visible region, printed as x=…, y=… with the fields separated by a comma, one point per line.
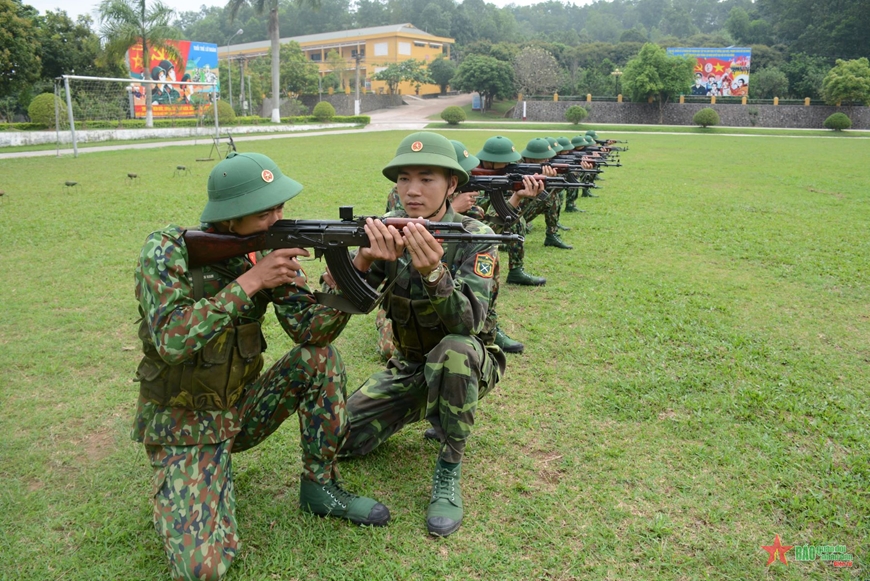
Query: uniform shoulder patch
x=484, y=265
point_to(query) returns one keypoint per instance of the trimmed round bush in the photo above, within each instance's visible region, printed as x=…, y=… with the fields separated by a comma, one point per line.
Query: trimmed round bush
x=41, y=109
x=576, y=114
x=323, y=111
x=225, y=113
x=838, y=122
x=706, y=117
x=453, y=115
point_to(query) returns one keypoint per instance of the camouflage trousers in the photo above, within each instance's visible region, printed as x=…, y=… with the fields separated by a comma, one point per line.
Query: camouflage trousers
x=444, y=389
x=193, y=497
x=571, y=197
x=550, y=207
x=515, y=249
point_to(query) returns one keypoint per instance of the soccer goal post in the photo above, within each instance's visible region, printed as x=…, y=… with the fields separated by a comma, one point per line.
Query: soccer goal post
x=108, y=103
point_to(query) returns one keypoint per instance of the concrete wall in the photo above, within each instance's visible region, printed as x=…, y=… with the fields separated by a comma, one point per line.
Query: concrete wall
x=8, y=138
x=798, y=116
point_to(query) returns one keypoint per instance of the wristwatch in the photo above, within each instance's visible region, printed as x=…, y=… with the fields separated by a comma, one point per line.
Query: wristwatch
x=435, y=275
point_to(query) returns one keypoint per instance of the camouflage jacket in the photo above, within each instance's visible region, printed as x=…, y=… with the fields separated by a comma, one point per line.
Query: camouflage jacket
x=180, y=326
x=461, y=298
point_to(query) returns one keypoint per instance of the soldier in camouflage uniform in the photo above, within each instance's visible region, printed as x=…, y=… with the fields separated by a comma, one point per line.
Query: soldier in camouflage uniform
x=438, y=305
x=462, y=203
x=541, y=150
x=497, y=153
x=202, y=396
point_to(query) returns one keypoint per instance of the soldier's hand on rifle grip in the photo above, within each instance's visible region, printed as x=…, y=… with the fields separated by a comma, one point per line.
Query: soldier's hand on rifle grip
x=425, y=250
x=385, y=243
x=276, y=268
x=463, y=202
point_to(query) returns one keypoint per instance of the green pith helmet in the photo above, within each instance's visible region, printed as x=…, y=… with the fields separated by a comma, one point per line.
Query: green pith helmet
x=590, y=140
x=591, y=133
x=578, y=141
x=538, y=148
x=498, y=149
x=246, y=183
x=466, y=160
x=425, y=148
x=565, y=143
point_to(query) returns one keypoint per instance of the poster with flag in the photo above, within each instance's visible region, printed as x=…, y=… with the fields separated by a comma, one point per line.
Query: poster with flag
x=194, y=62
x=719, y=71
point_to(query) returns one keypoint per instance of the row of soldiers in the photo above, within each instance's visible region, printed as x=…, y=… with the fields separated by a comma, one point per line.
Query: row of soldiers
x=538, y=180
x=205, y=394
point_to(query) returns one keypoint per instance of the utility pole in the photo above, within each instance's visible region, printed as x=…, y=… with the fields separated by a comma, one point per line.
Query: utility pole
x=356, y=103
x=242, y=100
x=229, y=62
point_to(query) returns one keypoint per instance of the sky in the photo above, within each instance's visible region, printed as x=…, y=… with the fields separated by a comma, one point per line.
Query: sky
x=76, y=7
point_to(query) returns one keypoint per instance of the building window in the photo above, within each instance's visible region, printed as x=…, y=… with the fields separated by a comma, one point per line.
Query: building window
x=420, y=44
x=316, y=56
x=382, y=49
x=405, y=48
x=434, y=45
x=353, y=53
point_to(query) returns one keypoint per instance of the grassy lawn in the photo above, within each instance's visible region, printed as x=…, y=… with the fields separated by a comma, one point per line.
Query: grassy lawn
x=694, y=381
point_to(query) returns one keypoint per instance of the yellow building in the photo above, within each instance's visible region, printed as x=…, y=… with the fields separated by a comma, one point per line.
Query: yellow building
x=377, y=47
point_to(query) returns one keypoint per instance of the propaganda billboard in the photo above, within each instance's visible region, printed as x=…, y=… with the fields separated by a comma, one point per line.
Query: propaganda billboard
x=718, y=71
x=196, y=62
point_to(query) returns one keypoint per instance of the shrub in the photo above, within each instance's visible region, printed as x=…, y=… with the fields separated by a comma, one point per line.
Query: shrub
x=453, y=115
x=225, y=113
x=323, y=111
x=41, y=109
x=575, y=114
x=706, y=117
x=838, y=122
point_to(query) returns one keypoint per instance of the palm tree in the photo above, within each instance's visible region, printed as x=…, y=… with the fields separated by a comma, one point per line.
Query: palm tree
x=123, y=23
x=274, y=37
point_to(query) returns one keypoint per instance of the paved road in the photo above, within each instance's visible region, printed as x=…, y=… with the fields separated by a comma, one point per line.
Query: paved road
x=410, y=117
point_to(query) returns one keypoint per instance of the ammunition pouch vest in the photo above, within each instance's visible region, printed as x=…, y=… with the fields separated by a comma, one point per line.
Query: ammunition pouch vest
x=214, y=378
x=417, y=328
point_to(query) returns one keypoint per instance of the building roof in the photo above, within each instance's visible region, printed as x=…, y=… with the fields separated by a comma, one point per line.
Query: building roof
x=343, y=37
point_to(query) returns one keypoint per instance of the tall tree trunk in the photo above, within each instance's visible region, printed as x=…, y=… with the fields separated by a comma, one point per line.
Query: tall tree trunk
x=276, y=71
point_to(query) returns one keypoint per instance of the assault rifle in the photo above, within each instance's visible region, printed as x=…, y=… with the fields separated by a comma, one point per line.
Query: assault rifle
x=597, y=161
x=330, y=239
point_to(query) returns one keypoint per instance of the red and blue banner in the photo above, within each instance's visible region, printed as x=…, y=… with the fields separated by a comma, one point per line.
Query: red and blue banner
x=195, y=62
x=718, y=71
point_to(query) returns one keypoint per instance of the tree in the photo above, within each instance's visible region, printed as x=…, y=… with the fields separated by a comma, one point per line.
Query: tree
x=536, y=71
x=848, y=81
x=768, y=83
x=442, y=72
x=488, y=76
x=298, y=74
x=275, y=38
x=19, y=46
x=805, y=74
x=653, y=75
x=124, y=23
x=337, y=65
x=67, y=47
x=411, y=71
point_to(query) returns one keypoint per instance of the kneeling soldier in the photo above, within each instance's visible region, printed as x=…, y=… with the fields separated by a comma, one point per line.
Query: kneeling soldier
x=438, y=303
x=202, y=397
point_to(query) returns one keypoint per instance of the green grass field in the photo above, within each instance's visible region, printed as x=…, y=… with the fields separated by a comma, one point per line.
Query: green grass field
x=695, y=378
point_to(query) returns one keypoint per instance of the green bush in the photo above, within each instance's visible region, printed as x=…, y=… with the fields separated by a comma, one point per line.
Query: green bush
x=225, y=113
x=576, y=114
x=706, y=117
x=838, y=122
x=41, y=109
x=453, y=115
x=324, y=111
